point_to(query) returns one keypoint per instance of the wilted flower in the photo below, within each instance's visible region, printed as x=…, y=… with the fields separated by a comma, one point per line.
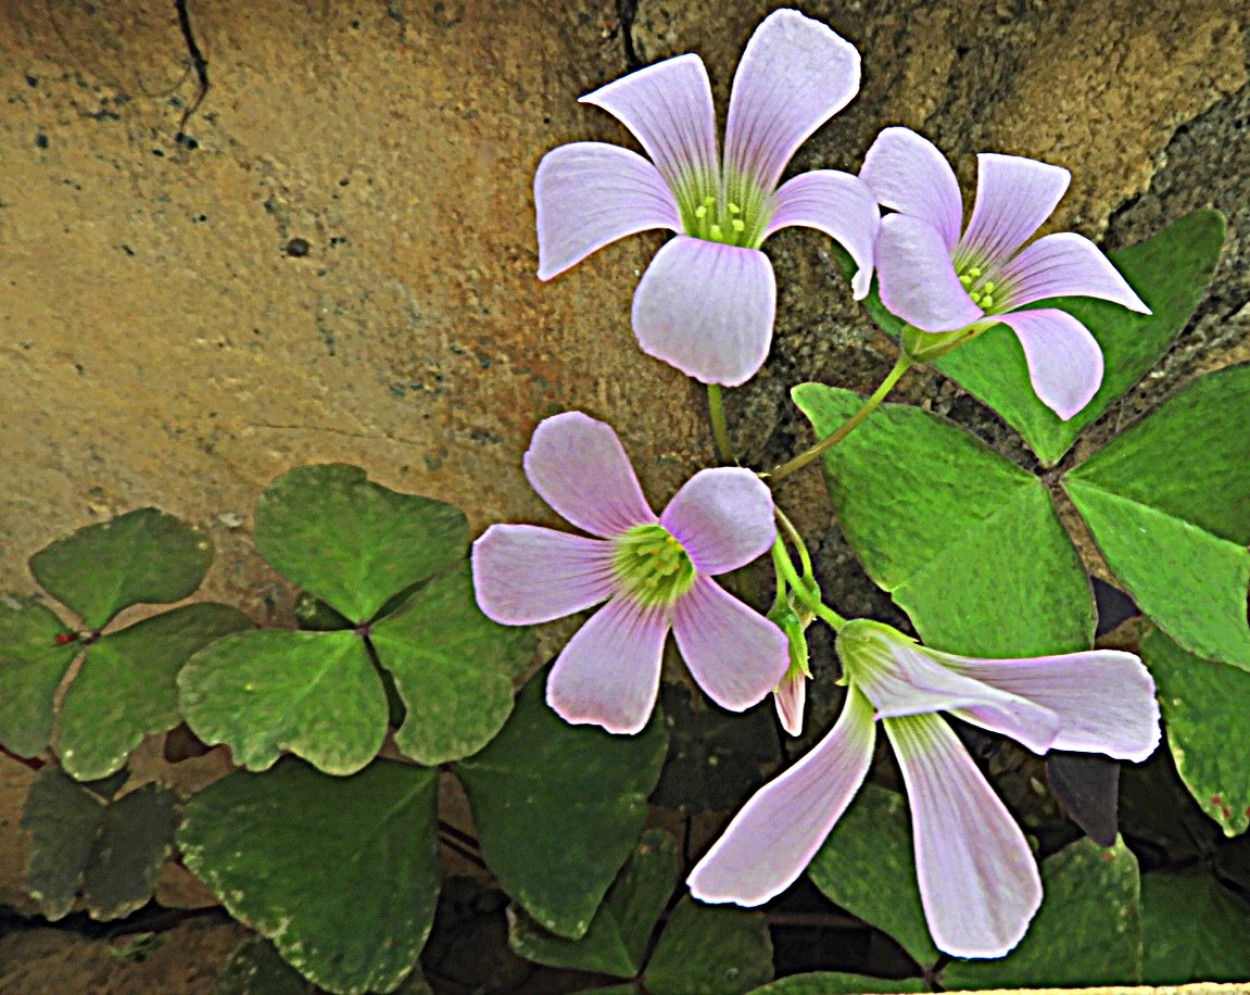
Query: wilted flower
x=941, y=282
x=706, y=303
x=978, y=880
x=654, y=573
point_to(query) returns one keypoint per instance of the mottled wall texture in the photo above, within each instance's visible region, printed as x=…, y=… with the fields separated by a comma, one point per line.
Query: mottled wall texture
x=331, y=255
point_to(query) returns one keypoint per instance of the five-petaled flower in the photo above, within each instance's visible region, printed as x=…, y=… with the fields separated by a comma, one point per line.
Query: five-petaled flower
x=979, y=883
x=941, y=282
x=707, y=302
x=653, y=572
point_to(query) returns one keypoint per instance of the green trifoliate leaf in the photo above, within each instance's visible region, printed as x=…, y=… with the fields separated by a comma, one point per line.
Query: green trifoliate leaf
x=126, y=687
x=1204, y=708
x=559, y=807
x=352, y=543
x=314, y=694
x=836, y=983
x=32, y=665
x=1193, y=929
x=617, y=939
x=710, y=950
x=340, y=873
x=1168, y=503
x=1087, y=932
x=453, y=668
x=966, y=542
x=142, y=557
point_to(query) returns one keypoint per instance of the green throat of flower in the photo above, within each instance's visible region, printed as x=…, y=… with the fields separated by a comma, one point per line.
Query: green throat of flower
x=652, y=566
x=733, y=216
x=985, y=293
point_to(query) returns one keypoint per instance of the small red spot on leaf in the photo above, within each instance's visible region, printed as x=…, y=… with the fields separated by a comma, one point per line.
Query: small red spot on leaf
x=66, y=637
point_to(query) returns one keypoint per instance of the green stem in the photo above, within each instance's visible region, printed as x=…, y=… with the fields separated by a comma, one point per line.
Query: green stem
x=798, y=543
x=785, y=567
x=903, y=364
x=720, y=432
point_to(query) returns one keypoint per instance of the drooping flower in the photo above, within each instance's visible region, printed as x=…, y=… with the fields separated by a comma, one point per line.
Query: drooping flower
x=655, y=573
x=940, y=281
x=706, y=303
x=978, y=880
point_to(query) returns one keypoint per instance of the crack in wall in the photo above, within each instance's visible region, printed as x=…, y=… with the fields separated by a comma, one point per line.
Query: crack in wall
x=198, y=62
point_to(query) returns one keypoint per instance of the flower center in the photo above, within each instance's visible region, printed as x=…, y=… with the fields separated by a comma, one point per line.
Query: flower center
x=730, y=213
x=652, y=566
x=983, y=290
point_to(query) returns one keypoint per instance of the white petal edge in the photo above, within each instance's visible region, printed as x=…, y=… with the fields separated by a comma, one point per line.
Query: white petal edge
x=723, y=518
x=1066, y=265
x=907, y=173
x=1015, y=196
x=916, y=277
x=1064, y=359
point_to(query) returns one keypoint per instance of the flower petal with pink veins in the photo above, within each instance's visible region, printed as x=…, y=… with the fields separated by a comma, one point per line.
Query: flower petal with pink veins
x=668, y=107
x=907, y=173
x=707, y=309
x=608, y=674
x=588, y=195
x=1064, y=359
x=838, y=204
x=578, y=466
x=1015, y=196
x=723, y=518
x=1066, y=265
x=734, y=653
x=917, y=277
x=776, y=834
x=794, y=75
x=790, y=699
x=524, y=574
x=979, y=883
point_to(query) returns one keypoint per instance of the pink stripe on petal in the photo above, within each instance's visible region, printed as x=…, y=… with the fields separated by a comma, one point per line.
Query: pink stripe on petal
x=588, y=195
x=734, y=653
x=609, y=672
x=917, y=277
x=841, y=206
x=1064, y=359
x=790, y=699
x=707, y=309
x=1105, y=699
x=794, y=75
x=578, y=466
x=907, y=173
x=668, y=107
x=979, y=883
x=524, y=574
x=723, y=518
x=1066, y=265
x=776, y=834
x=1014, y=196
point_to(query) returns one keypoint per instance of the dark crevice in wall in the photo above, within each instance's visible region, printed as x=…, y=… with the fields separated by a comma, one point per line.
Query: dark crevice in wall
x=198, y=63
x=625, y=10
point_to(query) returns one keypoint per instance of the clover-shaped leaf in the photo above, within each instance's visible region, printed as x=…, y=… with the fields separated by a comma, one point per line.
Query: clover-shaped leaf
x=710, y=950
x=32, y=665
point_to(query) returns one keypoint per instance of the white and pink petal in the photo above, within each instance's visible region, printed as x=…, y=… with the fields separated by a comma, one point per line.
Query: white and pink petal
x=917, y=278
x=1064, y=359
x=790, y=699
x=723, y=518
x=907, y=173
x=1066, y=265
x=1015, y=196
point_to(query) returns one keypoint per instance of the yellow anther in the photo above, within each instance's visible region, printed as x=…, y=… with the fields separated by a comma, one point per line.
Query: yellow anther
x=966, y=280
x=734, y=209
x=700, y=212
x=989, y=286
x=974, y=272
x=715, y=232
x=738, y=224
x=709, y=201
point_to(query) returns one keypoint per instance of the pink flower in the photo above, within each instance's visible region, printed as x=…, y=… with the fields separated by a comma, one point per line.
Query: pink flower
x=978, y=881
x=654, y=573
x=706, y=303
x=939, y=281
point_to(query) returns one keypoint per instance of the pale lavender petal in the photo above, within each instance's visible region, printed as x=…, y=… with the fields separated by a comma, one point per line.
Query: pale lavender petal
x=668, y=107
x=1064, y=359
x=609, y=672
x=707, y=309
x=578, y=466
x=734, y=653
x=776, y=834
x=1014, y=196
x=907, y=173
x=841, y=206
x=524, y=574
x=978, y=880
x=588, y=195
x=790, y=698
x=1105, y=699
x=1066, y=265
x=723, y=518
x=917, y=277
x=794, y=75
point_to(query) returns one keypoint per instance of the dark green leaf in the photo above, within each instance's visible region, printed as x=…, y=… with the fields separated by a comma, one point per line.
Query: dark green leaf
x=967, y=543
x=142, y=557
x=256, y=968
x=136, y=836
x=834, y=983
x=314, y=694
x=710, y=950
x=126, y=687
x=1087, y=932
x=1204, y=708
x=1168, y=503
x=1193, y=929
x=340, y=873
x=559, y=807
x=62, y=818
x=453, y=668
x=352, y=543
x=32, y=665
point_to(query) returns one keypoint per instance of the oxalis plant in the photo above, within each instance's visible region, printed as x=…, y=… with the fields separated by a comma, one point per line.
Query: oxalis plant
x=400, y=682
